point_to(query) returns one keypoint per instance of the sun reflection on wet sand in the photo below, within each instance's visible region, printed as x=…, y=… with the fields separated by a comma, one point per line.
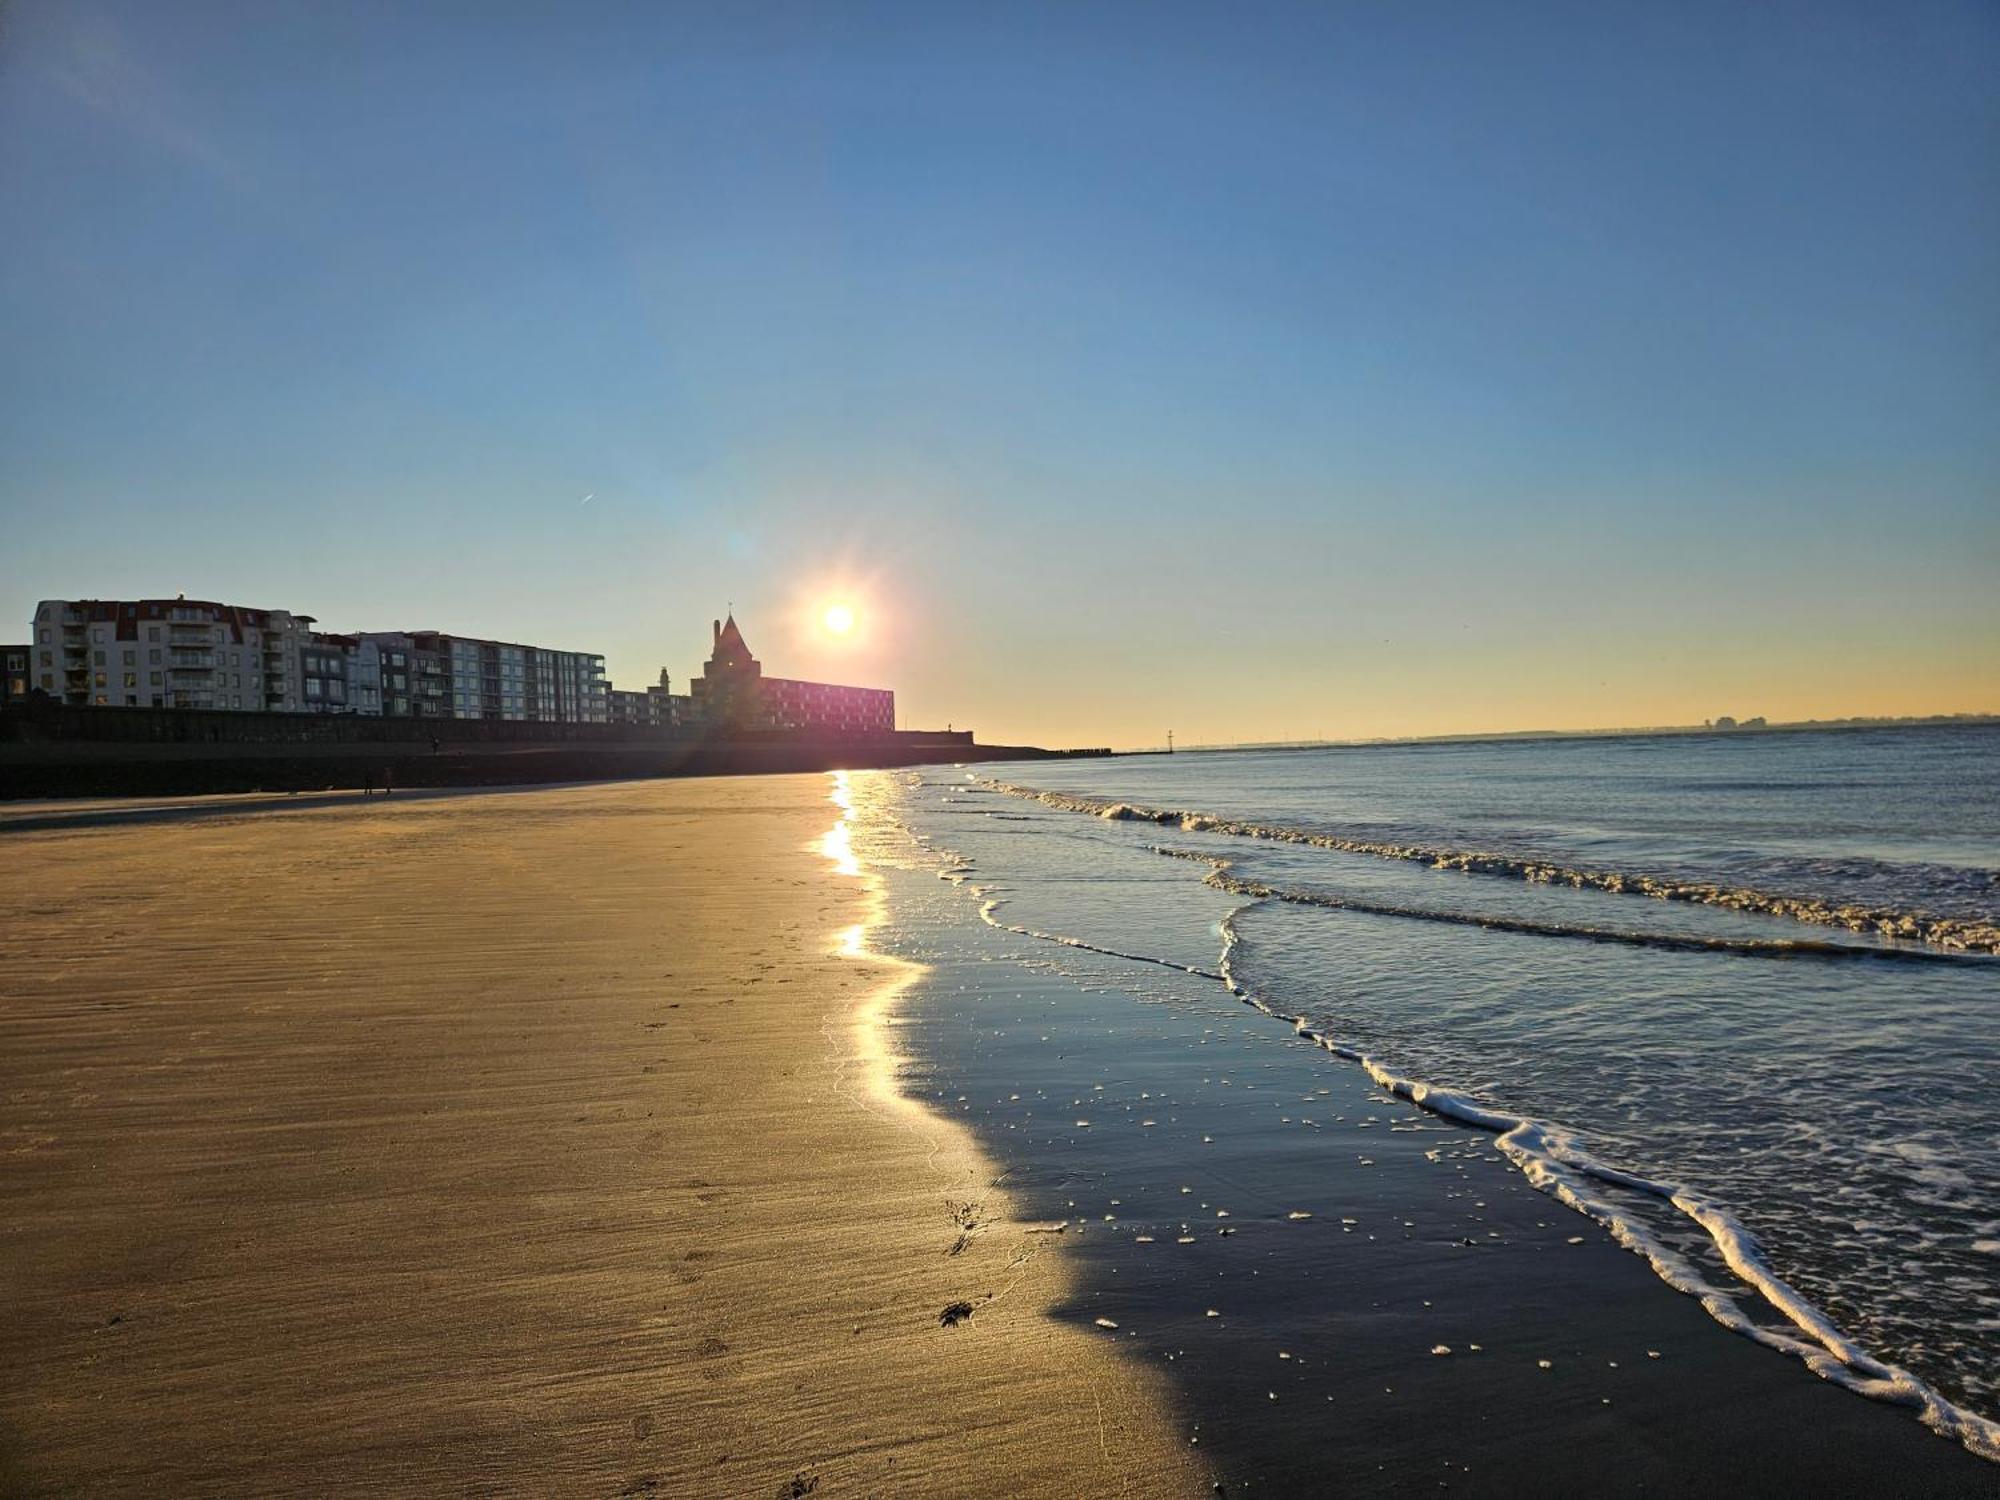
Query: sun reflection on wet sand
x=837, y=843
x=872, y=1022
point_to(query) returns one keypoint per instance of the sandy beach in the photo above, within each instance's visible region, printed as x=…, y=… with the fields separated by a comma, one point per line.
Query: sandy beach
x=504, y=1143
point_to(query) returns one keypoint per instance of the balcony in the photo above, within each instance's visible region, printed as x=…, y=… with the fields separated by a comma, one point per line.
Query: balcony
x=205, y=660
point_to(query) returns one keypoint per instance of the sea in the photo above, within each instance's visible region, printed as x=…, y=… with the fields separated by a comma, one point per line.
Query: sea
x=1735, y=996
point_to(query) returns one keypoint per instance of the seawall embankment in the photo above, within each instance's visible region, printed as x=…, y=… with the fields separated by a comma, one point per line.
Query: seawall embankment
x=58, y=751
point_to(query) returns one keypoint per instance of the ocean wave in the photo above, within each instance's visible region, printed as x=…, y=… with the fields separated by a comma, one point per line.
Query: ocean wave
x=1962, y=934
x=1554, y=1161
x=1222, y=877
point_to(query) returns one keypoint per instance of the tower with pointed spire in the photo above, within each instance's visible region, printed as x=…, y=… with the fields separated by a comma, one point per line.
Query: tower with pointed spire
x=728, y=694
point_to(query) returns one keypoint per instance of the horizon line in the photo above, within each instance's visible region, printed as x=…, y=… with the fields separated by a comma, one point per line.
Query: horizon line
x=1858, y=721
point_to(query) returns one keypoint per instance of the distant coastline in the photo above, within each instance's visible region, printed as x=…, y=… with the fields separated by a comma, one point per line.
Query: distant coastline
x=1655, y=731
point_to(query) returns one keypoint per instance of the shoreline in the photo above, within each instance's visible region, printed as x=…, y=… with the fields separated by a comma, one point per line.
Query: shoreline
x=468, y=1143
x=1138, y=1101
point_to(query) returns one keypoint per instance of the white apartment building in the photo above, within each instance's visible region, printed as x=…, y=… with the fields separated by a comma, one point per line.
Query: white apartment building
x=193, y=653
x=168, y=653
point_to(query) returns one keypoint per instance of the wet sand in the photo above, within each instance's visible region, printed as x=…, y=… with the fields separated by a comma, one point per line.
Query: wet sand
x=1349, y=1295
x=517, y=1144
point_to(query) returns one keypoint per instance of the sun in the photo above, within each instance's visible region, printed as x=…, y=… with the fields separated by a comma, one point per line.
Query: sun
x=839, y=619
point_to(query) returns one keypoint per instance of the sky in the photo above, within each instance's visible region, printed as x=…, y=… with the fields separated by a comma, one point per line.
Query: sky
x=1249, y=371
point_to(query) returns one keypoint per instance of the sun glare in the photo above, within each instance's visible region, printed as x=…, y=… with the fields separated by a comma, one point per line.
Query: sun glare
x=839, y=619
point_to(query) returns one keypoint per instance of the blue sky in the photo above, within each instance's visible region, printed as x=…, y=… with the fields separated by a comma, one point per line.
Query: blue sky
x=1253, y=370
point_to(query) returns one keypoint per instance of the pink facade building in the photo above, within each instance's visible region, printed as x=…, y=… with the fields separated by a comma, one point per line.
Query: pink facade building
x=733, y=693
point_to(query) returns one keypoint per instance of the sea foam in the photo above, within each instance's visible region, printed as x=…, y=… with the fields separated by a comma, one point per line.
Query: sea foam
x=1553, y=1158
x=1963, y=934
x=1554, y=1161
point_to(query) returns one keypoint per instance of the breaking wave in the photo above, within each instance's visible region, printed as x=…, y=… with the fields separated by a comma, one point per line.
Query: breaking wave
x=1555, y=1162
x=1222, y=877
x=1553, y=1159
x=1961, y=934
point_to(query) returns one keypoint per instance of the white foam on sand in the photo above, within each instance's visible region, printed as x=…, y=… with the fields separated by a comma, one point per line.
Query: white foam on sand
x=1556, y=1162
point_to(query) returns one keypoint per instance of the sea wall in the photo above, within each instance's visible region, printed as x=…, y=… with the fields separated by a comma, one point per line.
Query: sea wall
x=51, y=750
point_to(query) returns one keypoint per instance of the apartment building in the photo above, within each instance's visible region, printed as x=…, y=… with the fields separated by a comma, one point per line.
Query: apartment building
x=348, y=673
x=196, y=653
x=339, y=674
x=14, y=673
x=654, y=707
x=429, y=674
x=169, y=653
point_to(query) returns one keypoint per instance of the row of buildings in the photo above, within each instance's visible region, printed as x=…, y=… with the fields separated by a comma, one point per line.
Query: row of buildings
x=192, y=653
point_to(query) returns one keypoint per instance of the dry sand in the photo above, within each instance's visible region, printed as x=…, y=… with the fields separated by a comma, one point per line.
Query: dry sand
x=516, y=1142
